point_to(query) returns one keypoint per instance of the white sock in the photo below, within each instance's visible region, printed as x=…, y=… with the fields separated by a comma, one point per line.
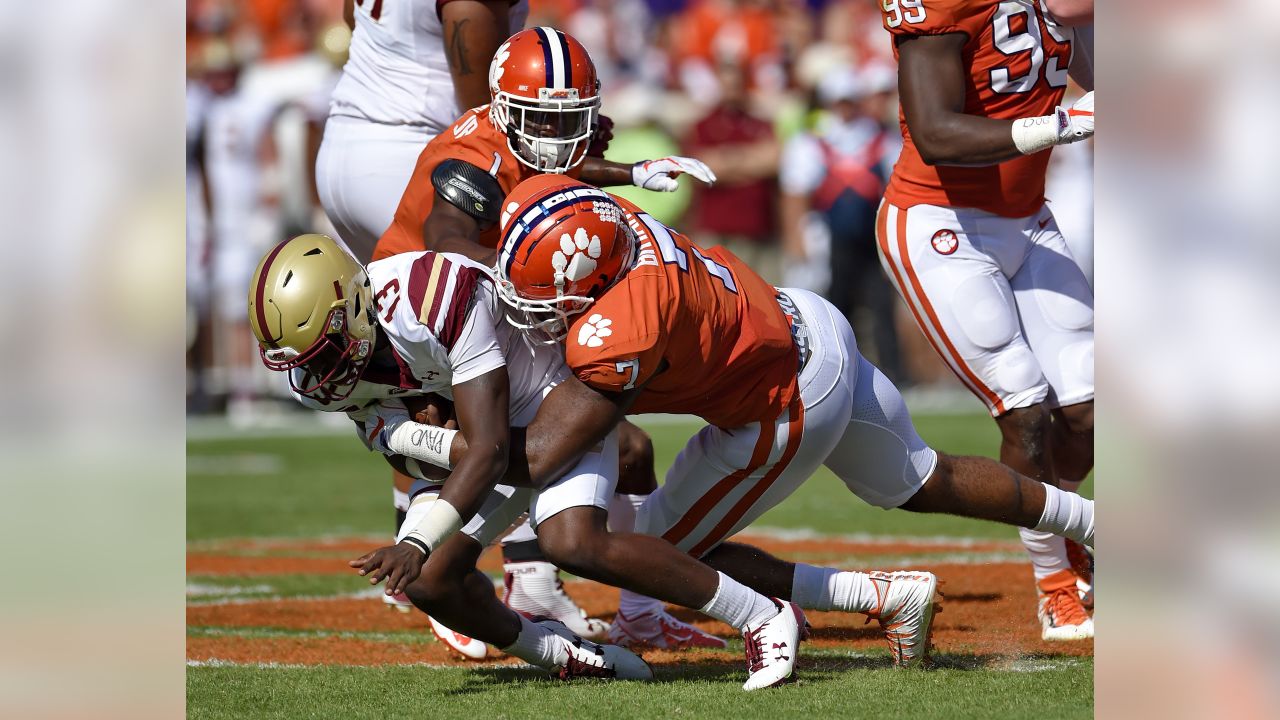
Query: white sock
x=622, y=518
x=738, y=605
x=534, y=587
x=400, y=499
x=1066, y=514
x=633, y=605
x=819, y=588
x=522, y=533
x=1048, y=552
x=537, y=645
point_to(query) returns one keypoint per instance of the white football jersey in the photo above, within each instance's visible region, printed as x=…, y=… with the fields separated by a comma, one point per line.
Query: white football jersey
x=441, y=314
x=233, y=133
x=396, y=71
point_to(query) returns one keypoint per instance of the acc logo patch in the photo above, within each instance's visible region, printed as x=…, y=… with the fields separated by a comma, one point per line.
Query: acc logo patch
x=594, y=331
x=945, y=242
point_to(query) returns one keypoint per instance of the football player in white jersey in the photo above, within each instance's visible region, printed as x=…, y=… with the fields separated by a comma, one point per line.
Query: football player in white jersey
x=240, y=223
x=418, y=323
x=312, y=306
x=413, y=67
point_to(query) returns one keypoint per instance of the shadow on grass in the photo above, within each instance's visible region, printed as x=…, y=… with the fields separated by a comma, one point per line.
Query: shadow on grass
x=721, y=669
x=847, y=634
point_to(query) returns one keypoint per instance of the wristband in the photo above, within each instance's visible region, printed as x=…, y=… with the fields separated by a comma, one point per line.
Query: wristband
x=427, y=443
x=441, y=521
x=1033, y=134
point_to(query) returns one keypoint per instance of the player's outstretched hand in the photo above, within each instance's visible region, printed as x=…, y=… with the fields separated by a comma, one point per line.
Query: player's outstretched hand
x=601, y=137
x=1079, y=123
x=398, y=564
x=661, y=174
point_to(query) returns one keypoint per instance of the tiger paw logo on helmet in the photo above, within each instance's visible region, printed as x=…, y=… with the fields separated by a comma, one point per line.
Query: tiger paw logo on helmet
x=496, y=69
x=577, y=255
x=594, y=331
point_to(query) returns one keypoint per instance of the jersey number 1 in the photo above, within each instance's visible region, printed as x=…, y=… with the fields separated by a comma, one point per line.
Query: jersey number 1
x=672, y=255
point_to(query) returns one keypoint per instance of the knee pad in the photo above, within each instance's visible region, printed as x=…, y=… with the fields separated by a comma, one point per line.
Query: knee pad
x=1016, y=370
x=985, y=311
x=1076, y=363
x=1070, y=306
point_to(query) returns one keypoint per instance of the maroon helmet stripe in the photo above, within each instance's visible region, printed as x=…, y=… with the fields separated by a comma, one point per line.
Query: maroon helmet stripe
x=260, y=292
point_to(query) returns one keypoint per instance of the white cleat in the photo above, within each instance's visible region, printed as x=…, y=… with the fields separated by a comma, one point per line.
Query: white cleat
x=772, y=646
x=534, y=590
x=907, y=600
x=660, y=630
x=586, y=659
x=398, y=602
x=469, y=647
x=1062, y=615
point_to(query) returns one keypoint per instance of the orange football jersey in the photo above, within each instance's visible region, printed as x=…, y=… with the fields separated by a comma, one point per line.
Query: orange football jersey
x=1017, y=67
x=703, y=318
x=474, y=139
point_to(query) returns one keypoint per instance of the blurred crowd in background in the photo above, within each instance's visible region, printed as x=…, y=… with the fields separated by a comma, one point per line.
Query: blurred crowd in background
x=792, y=103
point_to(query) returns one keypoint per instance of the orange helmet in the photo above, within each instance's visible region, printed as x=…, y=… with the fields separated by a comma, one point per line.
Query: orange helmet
x=563, y=244
x=546, y=98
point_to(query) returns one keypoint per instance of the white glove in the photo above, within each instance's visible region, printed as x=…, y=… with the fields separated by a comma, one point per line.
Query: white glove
x=1079, y=120
x=661, y=174
x=1065, y=125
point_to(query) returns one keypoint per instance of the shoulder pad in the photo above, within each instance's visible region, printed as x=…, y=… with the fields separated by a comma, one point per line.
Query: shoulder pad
x=470, y=189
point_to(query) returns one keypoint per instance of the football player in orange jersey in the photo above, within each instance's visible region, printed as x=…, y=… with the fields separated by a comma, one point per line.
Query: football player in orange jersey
x=776, y=374
x=543, y=115
x=965, y=235
x=544, y=111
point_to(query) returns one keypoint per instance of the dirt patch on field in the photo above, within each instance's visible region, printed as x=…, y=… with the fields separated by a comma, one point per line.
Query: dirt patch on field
x=329, y=557
x=988, y=612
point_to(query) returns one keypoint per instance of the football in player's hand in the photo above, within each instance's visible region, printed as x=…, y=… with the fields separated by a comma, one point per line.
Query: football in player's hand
x=430, y=409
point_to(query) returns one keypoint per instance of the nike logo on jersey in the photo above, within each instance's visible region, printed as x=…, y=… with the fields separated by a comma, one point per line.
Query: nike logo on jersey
x=1044, y=223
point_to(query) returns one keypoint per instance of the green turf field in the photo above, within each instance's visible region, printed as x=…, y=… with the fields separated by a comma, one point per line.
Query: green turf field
x=328, y=486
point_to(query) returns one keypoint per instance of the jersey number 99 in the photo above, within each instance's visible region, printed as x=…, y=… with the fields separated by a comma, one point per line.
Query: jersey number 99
x=897, y=12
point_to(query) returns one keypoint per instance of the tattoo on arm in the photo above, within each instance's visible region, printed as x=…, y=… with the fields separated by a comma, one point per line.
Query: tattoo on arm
x=458, y=48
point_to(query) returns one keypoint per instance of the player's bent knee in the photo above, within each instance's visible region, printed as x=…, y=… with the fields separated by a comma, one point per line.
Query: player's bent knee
x=1079, y=417
x=1075, y=362
x=930, y=498
x=1070, y=307
x=431, y=590
x=635, y=447
x=571, y=541
x=635, y=461
x=1026, y=427
x=990, y=320
x=1017, y=371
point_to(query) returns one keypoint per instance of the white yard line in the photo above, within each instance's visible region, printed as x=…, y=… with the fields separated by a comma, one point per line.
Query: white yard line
x=217, y=663
x=771, y=533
